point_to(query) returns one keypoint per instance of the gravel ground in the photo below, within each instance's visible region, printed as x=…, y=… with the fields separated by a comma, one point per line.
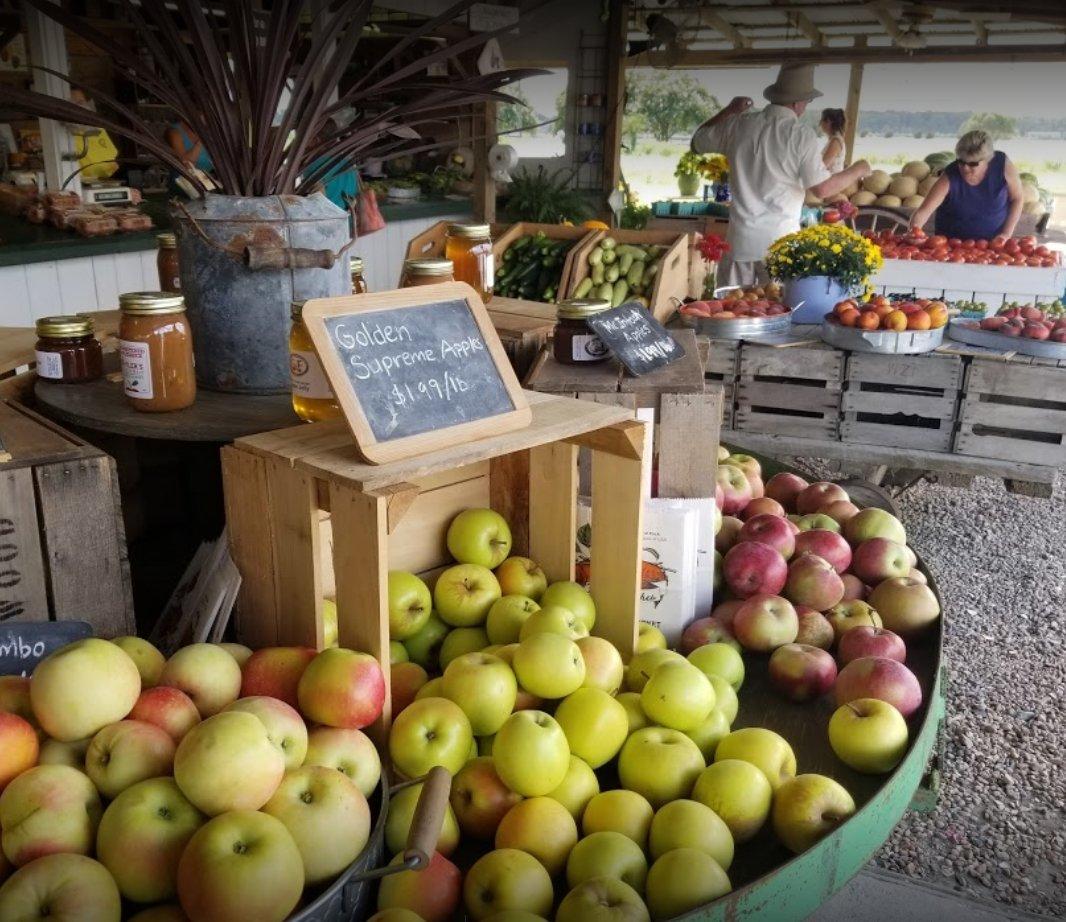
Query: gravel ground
x=998, y=831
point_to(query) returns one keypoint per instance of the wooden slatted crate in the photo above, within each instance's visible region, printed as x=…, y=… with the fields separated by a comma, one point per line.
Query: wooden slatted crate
x=793, y=390
x=722, y=367
x=1014, y=411
x=304, y=513
x=524, y=328
x=902, y=401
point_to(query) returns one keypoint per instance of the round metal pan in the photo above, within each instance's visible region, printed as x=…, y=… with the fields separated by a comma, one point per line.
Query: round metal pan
x=885, y=342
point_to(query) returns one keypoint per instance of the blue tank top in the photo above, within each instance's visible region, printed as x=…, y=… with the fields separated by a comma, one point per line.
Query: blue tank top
x=979, y=211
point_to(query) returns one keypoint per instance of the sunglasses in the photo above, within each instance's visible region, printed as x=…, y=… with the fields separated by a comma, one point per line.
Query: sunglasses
x=972, y=164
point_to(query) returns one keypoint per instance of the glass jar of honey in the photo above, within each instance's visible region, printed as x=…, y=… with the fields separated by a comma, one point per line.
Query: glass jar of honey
x=469, y=247
x=574, y=342
x=312, y=396
x=166, y=261
x=66, y=350
x=358, y=282
x=155, y=346
x=427, y=271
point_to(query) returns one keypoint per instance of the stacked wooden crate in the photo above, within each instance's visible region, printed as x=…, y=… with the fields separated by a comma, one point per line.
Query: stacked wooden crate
x=721, y=367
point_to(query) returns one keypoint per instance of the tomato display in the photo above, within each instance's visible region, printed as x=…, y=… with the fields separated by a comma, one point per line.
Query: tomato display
x=916, y=245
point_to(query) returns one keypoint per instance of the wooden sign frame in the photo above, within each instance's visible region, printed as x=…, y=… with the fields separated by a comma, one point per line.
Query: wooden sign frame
x=372, y=450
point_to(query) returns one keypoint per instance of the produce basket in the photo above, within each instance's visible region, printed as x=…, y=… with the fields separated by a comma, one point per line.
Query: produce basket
x=964, y=331
x=884, y=342
x=348, y=897
x=560, y=276
x=737, y=327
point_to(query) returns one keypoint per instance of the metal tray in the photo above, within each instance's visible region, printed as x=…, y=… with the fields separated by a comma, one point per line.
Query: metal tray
x=885, y=342
x=1041, y=348
x=738, y=327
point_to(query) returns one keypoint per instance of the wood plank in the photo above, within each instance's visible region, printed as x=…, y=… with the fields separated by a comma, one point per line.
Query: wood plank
x=788, y=396
x=801, y=362
x=509, y=496
x=887, y=404
x=1010, y=416
x=898, y=436
x=682, y=377
x=16, y=343
x=851, y=106
x=929, y=370
x=1013, y=380
x=30, y=438
x=553, y=508
x=617, y=26
x=519, y=307
x=23, y=592
x=969, y=442
x=550, y=376
x=417, y=541
x=722, y=360
x=688, y=443
x=749, y=421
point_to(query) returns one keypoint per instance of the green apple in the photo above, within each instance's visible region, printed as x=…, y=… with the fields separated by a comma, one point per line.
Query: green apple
x=553, y=619
x=402, y=806
x=460, y=641
x=484, y=687
x=570, y=595
x=602, y=899
x=874, y=523
x=739, y=793
x=330, y=629
x=424, y=647
x=764, y=749
x=710, y=733
x=549, y=665
x=479, y=536
x=148, y=660
x=396, y=914
x=595, y=725
x=660, y=764
x=625, y=812
x=607, y=854
x=541, y=826
x=61, y=887
x=638, y=720
x=683, y=880
x=725, y=699
x=721, y=660
x=868, y=735
x=434, y=688
x=530, y=753
x=463, y=594
x=506, y=617
x=428, y=732
x=644, y=664
x=129, y=751
x=285, y=727
x=808, y=807
x=349, y=751
x=649, y=637
x=576, y=789
x=604, y=668
x=677, y=696
x=507, y=879
x=398, y=652
x=690, y=824
x=521, y=576
x=410, y=604
x=480, y=799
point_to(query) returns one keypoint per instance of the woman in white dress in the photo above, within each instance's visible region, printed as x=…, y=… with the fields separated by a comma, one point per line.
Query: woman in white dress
x=832, y=125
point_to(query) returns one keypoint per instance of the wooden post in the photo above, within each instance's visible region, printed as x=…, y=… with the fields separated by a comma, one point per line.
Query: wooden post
x=616, y=95
x=851, y=111
x=553, y=508
x=484, y=184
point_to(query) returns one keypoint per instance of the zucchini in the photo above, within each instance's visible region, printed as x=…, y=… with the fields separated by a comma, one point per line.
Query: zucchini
x=625, y=260
x=609, y=256
x=618, y=294
x=635, y=251
x=596, y=257
x=608, y=243
x=605, y=292
x=635, y=276
x=611, y=273
x=597, y=274
x=583, y=287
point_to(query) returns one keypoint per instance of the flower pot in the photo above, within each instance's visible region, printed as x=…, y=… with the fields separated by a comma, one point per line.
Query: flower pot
x=812, y=297
x=688, y=183
x=243, y=261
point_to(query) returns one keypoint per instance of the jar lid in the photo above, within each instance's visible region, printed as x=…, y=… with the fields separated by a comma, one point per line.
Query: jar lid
x=580, y=308
x=468, y=230
x=428, y=266
x=167, y=241
x=150, y=302
x=74, y=325
x=357, y=265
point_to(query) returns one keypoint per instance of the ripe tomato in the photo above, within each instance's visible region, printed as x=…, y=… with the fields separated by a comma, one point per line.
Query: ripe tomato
x=1042, y=251
x=1012, y=247
x=1029, y=241
x=954, y=242
x=957, y=258
x=981, y=244
x=998, y=243
x=969, y=244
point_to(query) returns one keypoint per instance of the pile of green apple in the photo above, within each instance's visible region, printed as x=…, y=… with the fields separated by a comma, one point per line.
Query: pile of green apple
x=218, y=784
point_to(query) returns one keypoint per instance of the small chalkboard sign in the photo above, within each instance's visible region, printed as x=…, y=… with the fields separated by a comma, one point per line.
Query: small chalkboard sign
x=636, y=338
x=416, y=370
x=23, y=644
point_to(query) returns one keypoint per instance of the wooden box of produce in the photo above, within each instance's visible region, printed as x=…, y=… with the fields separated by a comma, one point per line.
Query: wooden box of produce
x=1015, y=411
x=903, y=401
x=63, y=549
x=535, y=261
x=793, y=390
x=304, y=512
x=655, y=263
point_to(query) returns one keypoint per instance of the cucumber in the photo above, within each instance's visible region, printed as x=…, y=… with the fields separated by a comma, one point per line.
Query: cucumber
x=611, y=274
x=635, y=276
x=583, y=288
x=609, y=256
x=597, y=274
x=605, y=292
x=634, y=251
x=625, y=260
x=651, y=272
x=618, y=294
x=596, y=257
x=608, y=243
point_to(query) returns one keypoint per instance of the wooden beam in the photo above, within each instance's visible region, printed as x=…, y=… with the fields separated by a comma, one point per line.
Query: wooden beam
x=618, y=17
x=802, y=22
x=726, y=28
x=851, y=109
x=980, y=29
x=886, y=20
x=484, y=184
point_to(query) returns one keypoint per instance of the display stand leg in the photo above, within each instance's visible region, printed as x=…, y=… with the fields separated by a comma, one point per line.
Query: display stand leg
x=297, y=556
x=553, y=508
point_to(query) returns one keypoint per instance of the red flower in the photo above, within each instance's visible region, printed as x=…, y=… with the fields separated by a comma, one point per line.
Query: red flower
x=711, y=247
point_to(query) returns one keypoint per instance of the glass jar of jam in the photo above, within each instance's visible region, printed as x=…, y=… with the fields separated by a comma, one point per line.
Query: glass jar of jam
x=312, y=396
x=166, y=261
x=155, y=345
x=469, y=247
x=358, y=282
x=427, y=271
x=573, y=342
x=66, y=350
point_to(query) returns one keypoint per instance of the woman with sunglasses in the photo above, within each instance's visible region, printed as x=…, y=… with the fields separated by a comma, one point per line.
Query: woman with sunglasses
x=978, y=196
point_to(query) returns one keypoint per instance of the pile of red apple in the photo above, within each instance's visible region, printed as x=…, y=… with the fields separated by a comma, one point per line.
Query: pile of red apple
x=760, y=301
x=1028, y=321
x=916, y=245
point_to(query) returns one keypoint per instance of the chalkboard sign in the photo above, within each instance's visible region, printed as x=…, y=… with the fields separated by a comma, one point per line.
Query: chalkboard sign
x=416, y=370
x=636, y=338
x=23, y=644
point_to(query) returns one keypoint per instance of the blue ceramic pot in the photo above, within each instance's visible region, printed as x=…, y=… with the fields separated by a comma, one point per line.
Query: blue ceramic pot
x=811, y=298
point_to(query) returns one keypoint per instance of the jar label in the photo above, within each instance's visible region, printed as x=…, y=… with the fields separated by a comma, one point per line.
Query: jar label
x=136, y=369
x=587, y=347
x=486, y=264
x=49, y=365
x=307, y=377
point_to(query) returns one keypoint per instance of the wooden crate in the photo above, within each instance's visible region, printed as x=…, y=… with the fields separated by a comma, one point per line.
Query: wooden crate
x=1013, y=411
x=791, y=391
x=902, y=401
x=430, y=243
x=524, y=328
x=722, y=367
x=580, y=236
x=671, y=283
x=62, y=542
x=303, y=512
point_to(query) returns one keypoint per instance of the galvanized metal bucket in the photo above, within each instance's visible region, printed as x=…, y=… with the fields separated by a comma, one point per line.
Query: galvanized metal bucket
x=243, y=261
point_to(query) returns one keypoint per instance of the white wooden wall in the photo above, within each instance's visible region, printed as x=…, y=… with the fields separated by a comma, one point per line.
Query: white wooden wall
x=93, y=283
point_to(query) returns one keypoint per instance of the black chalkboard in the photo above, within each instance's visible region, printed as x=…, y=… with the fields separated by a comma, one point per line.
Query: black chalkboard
x=23, y=644
x=417, y=369
x=636, y=338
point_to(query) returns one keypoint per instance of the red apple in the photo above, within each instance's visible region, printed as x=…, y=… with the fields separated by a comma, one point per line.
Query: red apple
x=871, y=641
x=814, y=629
x=736, y=489
x=480, y=799
x=1035, y=331
x=785, y=487
x=762, y=505
x=879, y=677
x=750, y=568
x=818, y=495
x=432, y=894
x=772, y=530
x=801, y=672
x=727, y=534
x=879, y=559
x=719, y=496
x=826, y=544
x=275, y=672
x=168, y=708
x=854, y=588
x=342, y=688
x=765, y=622
x=708, y=630
x=813, y=582
x=840, y=510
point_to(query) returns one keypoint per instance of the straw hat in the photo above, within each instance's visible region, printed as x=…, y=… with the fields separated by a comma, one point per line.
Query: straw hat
x=795, y=83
